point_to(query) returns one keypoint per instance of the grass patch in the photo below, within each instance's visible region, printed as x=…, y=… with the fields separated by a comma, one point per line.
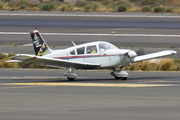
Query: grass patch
x=69, y=7
x=45, y=7
x=171, y=47
x=80, y=3
x=159, y=65
x=158, y=9
x=87, y=8
x=63, y=8
x=165, y=65
x=11, y=4
x=145, y=2
x=107, y=2
x=23, y=6
x=94, y=5
x=1, y=7
x=4, y=64
x=2, y=55
x=121, y=8
x=146, y=8
x=25, y=2
x=3, y=58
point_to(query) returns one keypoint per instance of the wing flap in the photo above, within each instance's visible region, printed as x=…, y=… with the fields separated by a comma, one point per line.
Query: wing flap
x=54, y=62
x=154, y=55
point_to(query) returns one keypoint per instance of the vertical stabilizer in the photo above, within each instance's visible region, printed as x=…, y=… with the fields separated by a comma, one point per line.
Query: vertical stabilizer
x=40, y=46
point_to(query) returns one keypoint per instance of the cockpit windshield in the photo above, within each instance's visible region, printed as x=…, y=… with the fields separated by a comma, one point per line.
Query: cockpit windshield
x=105, y=45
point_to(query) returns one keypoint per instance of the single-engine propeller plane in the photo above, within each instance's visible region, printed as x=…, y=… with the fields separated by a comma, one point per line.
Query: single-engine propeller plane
x=92, y=55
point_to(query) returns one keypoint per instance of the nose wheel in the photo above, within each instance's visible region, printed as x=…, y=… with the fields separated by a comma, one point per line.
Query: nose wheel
x=122, y=78
x=70, y=79
x=119, y=74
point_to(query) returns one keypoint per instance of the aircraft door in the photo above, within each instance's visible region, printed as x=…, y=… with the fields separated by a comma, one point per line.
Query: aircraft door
x=92, y=54
x=80, y=54
x=104, y=59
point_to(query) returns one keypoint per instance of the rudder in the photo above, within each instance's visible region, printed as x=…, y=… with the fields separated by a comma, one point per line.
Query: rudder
x=40, y=46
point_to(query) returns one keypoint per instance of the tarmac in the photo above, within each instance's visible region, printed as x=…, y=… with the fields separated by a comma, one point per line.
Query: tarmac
x=153, y=24
x=45, y=94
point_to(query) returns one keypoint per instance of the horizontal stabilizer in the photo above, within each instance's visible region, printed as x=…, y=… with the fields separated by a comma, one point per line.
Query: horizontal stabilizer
x=154, y=55
x=22, y=57
x=13, y=61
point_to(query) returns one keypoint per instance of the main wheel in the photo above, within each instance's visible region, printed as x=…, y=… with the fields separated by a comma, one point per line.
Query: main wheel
x=123, y=78
x=71, y=79
x=117, y=77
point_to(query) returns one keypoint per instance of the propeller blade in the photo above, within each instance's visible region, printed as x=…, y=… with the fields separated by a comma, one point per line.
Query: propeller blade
x=140, y=52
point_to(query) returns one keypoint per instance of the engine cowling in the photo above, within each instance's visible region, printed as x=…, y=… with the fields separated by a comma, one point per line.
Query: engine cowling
x=128, y=58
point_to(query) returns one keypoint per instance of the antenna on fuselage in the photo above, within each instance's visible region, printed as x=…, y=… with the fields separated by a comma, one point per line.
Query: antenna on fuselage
x=73, y=43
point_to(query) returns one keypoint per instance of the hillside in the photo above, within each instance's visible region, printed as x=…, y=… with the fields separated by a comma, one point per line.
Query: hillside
x=157, y=6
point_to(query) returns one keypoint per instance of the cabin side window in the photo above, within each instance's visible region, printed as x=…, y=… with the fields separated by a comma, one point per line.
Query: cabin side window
x=91, y=49
x=80, y=50
x=72, y=52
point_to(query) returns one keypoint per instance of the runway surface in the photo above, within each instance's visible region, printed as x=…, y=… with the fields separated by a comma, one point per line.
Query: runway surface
x=85, y=20
x=92, y=23
x=45, y=94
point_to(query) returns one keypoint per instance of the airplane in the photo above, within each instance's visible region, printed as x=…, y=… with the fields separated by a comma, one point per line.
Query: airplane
x=92, y=55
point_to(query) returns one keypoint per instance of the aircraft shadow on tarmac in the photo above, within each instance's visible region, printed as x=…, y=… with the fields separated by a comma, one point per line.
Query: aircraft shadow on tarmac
x=111, y=80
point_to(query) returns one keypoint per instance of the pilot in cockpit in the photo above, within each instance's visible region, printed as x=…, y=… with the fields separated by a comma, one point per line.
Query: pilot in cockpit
x=94, y=50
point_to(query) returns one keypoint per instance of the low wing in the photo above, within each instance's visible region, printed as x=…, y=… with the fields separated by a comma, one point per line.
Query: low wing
x=154, y=55
x=52, y=62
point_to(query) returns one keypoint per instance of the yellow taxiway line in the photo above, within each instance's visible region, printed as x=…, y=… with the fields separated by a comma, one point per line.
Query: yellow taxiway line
x=88, y=84
x=18, y=87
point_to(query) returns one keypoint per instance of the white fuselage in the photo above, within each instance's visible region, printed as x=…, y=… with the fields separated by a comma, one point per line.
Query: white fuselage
x=106, y=58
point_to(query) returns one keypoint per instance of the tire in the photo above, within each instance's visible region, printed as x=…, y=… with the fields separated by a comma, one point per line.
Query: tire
x=70, y=79
x=117, y=78
x=123, y=78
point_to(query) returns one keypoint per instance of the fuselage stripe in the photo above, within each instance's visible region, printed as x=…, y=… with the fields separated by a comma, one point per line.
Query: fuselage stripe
x=86, y=56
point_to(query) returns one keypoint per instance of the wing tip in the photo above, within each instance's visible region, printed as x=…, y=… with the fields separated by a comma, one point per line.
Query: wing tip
x=173, y=52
